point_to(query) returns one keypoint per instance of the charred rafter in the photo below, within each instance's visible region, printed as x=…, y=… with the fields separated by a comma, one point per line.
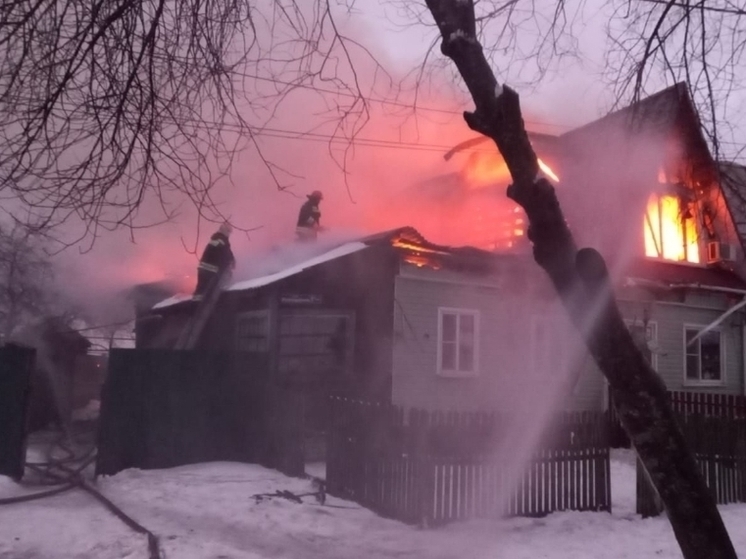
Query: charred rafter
x=582, y=281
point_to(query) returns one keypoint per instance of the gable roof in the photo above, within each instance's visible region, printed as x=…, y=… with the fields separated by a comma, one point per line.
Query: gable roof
x=733, y=186
x=665, y=113
x=656, y=113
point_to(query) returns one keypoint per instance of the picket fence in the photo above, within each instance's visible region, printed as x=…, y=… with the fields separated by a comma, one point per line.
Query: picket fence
x=431, y=468
x=719, y=447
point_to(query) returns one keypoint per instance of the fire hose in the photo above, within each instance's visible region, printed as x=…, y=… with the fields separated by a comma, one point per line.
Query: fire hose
x=66, y=473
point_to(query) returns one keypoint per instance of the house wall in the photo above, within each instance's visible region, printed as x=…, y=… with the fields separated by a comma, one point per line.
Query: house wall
x=698, y=308
x=511, y=369
x=509, y=373
x=669, y=317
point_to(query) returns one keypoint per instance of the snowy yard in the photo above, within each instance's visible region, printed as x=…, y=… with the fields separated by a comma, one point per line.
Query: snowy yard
x=207, y=512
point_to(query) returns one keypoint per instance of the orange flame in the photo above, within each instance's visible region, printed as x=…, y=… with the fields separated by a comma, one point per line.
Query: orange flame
x=670, y=233
x=484, y=169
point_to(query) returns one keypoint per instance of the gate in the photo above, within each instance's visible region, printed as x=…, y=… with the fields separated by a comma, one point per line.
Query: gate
x=164, y=408
x=16, y=365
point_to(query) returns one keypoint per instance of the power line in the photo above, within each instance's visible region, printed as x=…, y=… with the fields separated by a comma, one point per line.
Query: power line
x=699, y=6
x=377, y=99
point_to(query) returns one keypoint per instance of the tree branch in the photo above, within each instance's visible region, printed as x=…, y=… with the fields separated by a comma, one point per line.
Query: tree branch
x=583, y=283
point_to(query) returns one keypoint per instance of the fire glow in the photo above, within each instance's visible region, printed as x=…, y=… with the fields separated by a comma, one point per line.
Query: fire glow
x=670, y=228
x=485, y=169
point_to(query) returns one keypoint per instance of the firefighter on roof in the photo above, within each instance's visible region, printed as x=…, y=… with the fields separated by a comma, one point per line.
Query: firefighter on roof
x=309, y=217
x=216, y=260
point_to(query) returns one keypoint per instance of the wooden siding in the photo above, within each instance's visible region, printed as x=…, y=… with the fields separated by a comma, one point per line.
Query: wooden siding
x=505, y=342
x=506, y=371
x=697, y=309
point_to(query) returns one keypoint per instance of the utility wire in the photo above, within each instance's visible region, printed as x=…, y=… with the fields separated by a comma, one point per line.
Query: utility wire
x=699, y=6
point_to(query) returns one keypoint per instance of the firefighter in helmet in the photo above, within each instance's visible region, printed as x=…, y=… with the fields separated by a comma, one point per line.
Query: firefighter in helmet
x=216, y=260
x=309, y=218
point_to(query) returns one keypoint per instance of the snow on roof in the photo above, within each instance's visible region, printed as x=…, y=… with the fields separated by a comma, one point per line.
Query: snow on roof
x=279, y=264
x=178, y=298
x=338, y=252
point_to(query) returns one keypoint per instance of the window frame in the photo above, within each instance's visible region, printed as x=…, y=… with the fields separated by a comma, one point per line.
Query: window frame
x=630, y=322
x=259, y=313
x=659, y=238
x=723, y=368
x=457, y=373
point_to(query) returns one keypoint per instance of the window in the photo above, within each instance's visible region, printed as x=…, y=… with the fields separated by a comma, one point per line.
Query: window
x=316, y=342
x=703, y=356
x=645, y=336
x=458, y=342
x=252, y=331
x=670, y=229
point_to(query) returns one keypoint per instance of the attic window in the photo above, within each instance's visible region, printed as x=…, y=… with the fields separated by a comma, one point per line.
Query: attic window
x=670, y=229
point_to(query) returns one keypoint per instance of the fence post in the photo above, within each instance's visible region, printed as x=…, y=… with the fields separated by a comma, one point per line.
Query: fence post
x=420, y=421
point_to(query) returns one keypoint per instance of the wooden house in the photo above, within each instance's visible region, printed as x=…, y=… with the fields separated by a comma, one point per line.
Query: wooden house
x=394, y=317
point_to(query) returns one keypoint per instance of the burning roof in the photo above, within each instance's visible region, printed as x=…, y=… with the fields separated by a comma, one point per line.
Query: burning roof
x=285, y=261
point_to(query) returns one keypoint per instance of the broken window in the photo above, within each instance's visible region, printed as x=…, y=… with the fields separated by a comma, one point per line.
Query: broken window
x=703, y=356
x=671, y=229
x=458, y=337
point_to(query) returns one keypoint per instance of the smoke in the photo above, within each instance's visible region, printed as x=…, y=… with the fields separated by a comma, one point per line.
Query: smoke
x=393, y=174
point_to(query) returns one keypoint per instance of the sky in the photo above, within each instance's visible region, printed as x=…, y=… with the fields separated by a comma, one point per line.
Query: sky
x=399, y=150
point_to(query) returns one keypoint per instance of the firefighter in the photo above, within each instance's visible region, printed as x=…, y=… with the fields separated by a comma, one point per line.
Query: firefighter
x=309, y=218
x=216, y=260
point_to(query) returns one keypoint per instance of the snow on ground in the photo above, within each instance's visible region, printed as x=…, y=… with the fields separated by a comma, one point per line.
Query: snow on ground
x=207, y=511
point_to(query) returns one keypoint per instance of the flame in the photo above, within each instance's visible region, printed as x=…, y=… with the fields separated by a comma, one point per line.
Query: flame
x=483, y=169
x=487, y=168
x=668, y=233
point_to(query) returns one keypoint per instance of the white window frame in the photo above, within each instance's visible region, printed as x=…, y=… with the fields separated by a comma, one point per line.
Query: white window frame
x=477, y=331
x=723, y=367
x=652, y=343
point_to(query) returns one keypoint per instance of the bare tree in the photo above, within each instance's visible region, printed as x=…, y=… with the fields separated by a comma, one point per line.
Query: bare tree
x=25, y=278
x=104, y=104
x=582, y=282
x=681, y=41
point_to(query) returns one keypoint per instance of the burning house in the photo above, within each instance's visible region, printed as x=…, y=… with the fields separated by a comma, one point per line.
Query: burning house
x=406, y=317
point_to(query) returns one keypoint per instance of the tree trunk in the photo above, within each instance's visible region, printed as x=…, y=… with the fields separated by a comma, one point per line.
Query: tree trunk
x=581, y=279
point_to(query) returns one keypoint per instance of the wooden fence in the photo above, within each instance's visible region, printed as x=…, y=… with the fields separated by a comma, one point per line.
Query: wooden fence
x=719, y=446
x=686, y=404
x=163, y=408
x=16, y=365
x=432, y=468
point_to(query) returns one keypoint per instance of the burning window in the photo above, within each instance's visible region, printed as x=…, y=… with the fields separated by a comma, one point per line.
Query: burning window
x=670, y=229
x=458, y=342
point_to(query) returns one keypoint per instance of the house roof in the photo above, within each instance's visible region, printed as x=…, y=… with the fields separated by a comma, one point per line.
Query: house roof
x=289, y=260
x=733, y=186
x=674, y=274
x=333, y=254
x=658, y=112
x=52, y=330
x=664, y=113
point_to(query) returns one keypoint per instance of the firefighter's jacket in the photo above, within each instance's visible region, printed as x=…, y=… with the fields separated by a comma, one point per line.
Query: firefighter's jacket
x=309, y=215
x=218, y=255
